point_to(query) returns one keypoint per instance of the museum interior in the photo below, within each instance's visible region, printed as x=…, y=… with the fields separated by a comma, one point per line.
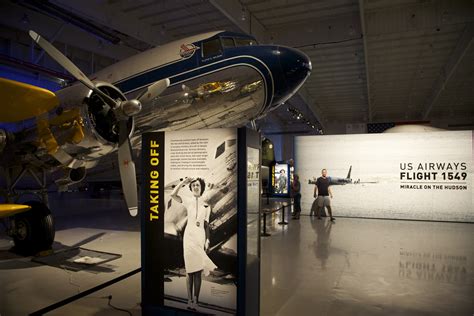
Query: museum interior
x=236, y=157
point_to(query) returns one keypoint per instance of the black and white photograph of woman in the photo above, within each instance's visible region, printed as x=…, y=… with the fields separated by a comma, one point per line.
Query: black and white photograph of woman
x=196, y=237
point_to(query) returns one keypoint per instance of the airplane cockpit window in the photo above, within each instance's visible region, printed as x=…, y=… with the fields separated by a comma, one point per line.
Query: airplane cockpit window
x=220, y=150
x=211, y=48
x=245, y=42
x=228, y=42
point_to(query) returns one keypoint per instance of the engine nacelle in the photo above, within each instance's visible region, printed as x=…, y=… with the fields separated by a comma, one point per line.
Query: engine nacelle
x=81, y=130
x=99, y=123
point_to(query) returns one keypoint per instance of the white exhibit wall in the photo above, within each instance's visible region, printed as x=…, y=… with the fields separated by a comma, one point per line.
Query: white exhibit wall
x=422, y=176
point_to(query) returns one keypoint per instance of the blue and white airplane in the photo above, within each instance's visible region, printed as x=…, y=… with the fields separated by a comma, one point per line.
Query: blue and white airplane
x=211, y=80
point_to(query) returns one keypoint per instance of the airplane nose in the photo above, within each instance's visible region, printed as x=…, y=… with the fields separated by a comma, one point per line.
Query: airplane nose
x=295, y=67
x=295, y=64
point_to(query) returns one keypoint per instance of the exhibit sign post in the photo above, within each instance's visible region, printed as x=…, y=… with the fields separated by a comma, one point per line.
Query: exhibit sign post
x=194, y=205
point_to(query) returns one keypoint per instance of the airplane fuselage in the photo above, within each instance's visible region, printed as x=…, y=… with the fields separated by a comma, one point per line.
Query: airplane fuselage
x=218, y=79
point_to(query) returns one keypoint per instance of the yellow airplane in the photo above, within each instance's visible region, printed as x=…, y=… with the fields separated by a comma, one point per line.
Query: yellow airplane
x=69, y=131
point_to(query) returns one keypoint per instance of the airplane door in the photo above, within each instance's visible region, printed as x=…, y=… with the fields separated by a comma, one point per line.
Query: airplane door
x=211, y=51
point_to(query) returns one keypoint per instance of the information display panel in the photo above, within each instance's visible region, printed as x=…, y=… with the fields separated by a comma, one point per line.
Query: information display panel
x=422, y=176
x=194, y=255
x=280, y=179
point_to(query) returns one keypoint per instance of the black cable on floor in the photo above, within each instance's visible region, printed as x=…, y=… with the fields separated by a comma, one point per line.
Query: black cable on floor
x=117, y=308
x=84, y=293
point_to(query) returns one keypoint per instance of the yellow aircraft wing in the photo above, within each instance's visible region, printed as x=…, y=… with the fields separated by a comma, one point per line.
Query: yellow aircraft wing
x=7, y=210
x=20, y=101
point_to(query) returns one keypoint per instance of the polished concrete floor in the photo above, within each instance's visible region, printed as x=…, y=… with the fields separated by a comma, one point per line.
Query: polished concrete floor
x=26, y=286
x=368, y=267
x=309, y=267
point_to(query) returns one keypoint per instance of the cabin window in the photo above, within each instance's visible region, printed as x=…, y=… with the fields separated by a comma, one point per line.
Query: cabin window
x=228, y=42
x=245, y=42
x=211, y=48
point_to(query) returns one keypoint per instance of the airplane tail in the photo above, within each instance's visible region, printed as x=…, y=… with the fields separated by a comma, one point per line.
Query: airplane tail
x=349, y=174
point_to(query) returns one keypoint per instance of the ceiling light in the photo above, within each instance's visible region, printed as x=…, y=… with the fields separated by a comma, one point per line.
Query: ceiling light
x=243, y=17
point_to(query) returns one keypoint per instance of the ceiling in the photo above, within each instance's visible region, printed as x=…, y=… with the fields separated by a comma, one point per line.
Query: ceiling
x=373, y=60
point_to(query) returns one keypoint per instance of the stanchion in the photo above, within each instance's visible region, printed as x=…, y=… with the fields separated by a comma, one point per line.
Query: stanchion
x=265, y=234
x=283, y=222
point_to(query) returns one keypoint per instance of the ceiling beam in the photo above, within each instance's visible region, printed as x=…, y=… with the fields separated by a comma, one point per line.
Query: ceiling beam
x=11, y=17
x=314, y=107
x=112, y=17
x=235, y=11
x=366, y=57
x=449, y=68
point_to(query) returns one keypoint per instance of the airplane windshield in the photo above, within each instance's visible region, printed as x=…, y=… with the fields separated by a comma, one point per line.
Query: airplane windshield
x=245, y=42
x=228, y=42
x=211, y=48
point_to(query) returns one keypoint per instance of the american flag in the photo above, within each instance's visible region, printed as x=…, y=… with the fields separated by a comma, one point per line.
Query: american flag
x=379, y=127
x=382, y=127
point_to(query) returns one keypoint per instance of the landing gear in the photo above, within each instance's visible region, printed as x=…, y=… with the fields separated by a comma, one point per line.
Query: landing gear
x=33, y=230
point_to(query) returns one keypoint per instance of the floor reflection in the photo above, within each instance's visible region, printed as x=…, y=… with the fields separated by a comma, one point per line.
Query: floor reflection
x=323, y=240
x=367, y=267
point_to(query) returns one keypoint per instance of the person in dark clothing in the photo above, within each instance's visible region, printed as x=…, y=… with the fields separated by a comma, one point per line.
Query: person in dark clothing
x=323, y=193
x=296, y=194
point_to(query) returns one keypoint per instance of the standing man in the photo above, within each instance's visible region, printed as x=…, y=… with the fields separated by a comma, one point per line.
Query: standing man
x=323, y=192
x=296, y=194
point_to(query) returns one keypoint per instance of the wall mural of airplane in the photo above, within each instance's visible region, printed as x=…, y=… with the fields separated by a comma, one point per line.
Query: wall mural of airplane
x=216, y=79
x=335, y=180
x=341, y=181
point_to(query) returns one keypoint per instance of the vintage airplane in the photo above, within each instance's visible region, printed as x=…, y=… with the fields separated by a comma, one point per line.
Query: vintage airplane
x=217, y=79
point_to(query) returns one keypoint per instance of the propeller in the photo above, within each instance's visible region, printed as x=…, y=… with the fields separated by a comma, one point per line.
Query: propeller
x=127, y=169
x=154, y=90
x=123, y=109
x=55, y=54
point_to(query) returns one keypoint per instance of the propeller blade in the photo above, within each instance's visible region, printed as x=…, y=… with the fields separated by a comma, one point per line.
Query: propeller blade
x=59, y=57
x=127, y=170
x=154, y=90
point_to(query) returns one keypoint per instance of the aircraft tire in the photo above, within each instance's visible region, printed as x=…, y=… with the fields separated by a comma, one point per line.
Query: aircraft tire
x=35, y=229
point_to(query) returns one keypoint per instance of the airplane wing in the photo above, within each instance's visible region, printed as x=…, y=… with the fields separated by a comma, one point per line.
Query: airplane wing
x=21, y=101
x=7, y=210
x=366, y=182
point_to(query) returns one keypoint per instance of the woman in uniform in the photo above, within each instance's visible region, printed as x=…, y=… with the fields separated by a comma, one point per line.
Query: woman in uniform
x=196, y=237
